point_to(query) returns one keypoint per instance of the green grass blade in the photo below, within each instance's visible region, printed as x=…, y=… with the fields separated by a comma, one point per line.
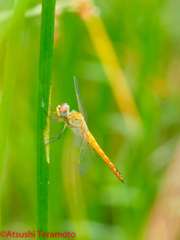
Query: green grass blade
x=9, y=79
x=45, y=75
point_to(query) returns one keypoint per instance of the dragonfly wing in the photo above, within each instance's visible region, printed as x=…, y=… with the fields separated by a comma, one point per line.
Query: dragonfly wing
x=78, y=136
x=87, y=158
x=78, y=140
x=79, y=100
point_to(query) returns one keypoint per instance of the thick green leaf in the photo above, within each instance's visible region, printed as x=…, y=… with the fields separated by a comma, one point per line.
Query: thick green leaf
x=45, y=75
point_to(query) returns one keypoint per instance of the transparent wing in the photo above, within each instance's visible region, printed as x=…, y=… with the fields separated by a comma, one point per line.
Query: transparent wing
x=87, y=158
x=79, y=136
x=79, y=100
x=78, y=140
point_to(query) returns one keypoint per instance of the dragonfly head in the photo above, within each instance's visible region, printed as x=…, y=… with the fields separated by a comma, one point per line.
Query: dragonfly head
x=62, y=110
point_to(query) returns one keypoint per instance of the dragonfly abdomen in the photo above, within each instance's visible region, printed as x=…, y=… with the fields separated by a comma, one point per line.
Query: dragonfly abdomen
x=92, y=142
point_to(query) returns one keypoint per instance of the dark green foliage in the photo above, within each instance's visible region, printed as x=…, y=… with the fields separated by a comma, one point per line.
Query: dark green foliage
x=44, y=84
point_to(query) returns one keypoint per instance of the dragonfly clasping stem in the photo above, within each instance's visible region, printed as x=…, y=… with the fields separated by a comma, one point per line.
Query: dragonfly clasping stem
x=58, y=136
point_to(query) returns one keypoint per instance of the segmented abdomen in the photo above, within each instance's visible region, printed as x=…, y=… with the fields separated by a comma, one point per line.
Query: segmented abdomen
x=92, y=142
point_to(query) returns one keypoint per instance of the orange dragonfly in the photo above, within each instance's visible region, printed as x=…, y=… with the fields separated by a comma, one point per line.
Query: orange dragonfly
x=77, y=122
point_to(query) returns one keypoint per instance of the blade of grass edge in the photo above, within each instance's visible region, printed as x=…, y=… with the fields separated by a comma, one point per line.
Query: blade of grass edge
x=44, y=85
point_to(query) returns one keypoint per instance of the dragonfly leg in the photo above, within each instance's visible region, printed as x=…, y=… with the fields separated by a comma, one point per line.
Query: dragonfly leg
x=53, y=113
x=54, y=137
x=58, y=137
x=52, y=119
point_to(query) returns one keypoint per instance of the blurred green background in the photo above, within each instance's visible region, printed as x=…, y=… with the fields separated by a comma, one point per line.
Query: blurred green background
x=145, y=36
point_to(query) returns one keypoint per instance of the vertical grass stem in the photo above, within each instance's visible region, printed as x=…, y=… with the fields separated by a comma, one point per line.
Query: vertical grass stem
x=44, y=86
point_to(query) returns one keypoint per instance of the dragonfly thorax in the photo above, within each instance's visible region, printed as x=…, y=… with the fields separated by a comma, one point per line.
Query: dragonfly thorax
x=77, y=123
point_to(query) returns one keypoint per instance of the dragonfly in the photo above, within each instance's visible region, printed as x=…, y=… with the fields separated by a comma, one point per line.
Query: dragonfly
x=76, y=121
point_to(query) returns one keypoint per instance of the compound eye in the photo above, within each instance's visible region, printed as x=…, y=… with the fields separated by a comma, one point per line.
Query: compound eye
x=64, y=107
x=62, y=110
